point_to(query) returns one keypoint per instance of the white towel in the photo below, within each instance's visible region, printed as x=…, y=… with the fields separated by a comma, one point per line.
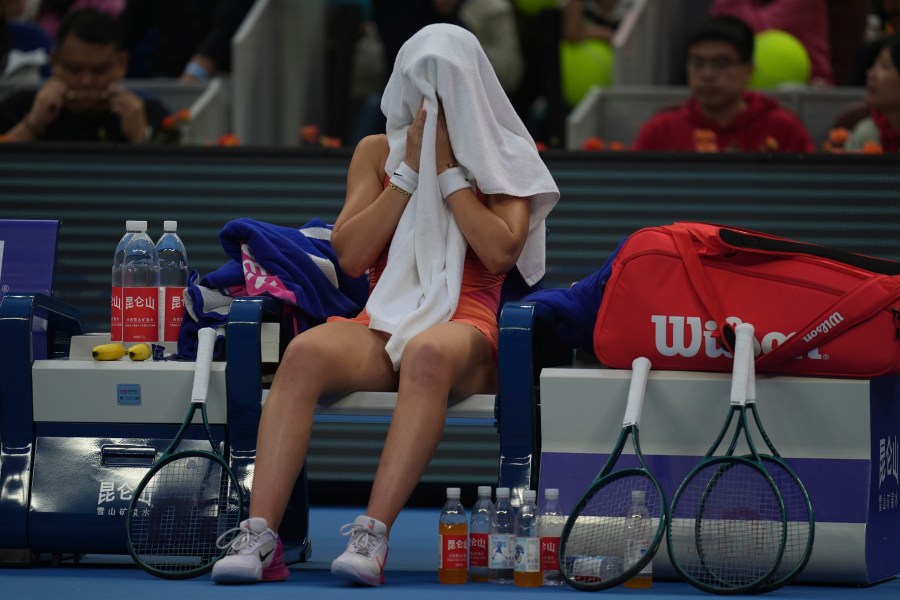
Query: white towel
x=420, y=285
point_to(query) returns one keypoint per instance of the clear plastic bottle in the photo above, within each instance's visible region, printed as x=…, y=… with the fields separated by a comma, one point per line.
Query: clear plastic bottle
x=140, y=283
x=528, y=544
x=551, y=521
x=173, y=278
x=479, y=531
x=638, y=533
x=453, y=532
x=116, y=301
x=500, y=540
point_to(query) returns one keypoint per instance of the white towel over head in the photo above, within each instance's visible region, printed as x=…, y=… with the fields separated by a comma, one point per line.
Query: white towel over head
x=420, y=285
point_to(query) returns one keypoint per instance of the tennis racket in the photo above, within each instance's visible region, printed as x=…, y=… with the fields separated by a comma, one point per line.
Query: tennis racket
x=593, y=540
x=797, y=505
x=188, y=498
x=728, y=526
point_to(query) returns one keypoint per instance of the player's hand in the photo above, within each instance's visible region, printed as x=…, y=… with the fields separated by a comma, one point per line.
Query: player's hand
x=414, y=138
x=443, y=153
x=130, y=108
x=48, y=103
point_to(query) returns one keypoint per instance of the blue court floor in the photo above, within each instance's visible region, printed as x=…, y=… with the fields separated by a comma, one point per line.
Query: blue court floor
x=411, y=573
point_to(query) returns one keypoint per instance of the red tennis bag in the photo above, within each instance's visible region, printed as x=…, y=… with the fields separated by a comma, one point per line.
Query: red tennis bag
x=676, y=292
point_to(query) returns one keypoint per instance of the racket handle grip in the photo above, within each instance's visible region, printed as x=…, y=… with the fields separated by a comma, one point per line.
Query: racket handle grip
x=640, y=371
x=743, y=354
x=206, y=341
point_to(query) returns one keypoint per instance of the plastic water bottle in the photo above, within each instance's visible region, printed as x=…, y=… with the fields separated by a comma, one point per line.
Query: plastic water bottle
x=500, y=539
x=638, y=531
x=140, y=282
x=173, y=277
x=479, y=531
x=528, y=544
x=453, y=532
x=550, y=525
x=116, y=301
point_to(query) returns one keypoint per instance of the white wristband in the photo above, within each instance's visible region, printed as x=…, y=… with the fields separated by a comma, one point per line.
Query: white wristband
x=452, y=180
x=405, y=178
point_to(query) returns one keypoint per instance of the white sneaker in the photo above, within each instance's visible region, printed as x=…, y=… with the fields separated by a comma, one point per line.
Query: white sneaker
x=254, y=554
x=363, y=560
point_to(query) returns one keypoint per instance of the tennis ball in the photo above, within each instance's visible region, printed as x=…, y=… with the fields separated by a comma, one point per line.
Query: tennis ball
x=533, y=7
x=582, y=66
x=778, y=58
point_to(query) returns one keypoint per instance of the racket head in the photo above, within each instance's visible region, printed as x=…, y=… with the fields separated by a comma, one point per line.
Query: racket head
x=592, y=542
x=727, y=526
x=800, y=523
x=179, y=510
x=797, y=505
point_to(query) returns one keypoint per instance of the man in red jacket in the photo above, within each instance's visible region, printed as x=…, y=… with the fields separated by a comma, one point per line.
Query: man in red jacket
x=721, y=115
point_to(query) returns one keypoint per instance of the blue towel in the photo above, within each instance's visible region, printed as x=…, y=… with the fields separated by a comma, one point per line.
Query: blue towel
x=576, y=307
x=295, y=266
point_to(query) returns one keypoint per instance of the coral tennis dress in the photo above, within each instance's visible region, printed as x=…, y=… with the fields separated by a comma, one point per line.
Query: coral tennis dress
x=479, y=297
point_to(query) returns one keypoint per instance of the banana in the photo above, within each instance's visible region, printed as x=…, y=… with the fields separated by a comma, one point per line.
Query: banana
x=140, y=352
x=113, y=351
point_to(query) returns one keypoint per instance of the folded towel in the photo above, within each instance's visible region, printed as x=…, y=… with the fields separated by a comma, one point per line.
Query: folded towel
x=420, y=285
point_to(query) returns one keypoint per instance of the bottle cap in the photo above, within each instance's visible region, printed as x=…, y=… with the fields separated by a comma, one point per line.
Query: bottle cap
x=530, y=496
x=136, y=225
x=170, y=226
x=503, y=492
x=551, y=494
x=453, y=492
x=484, y=490
x=637, y=495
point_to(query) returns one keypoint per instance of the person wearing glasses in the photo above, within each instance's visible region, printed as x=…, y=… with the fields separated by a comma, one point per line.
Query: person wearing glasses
x=83, y=101
x=721, y=114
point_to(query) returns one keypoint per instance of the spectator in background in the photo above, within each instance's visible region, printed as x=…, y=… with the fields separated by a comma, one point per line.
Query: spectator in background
x=888, y=14
x=192, y=38
x=721, y=114
x=589, y=20
x=806, y=20
x=24, y=47
x=83, y=100
x=882, y=127
x=847, y=24
x=494, y=24
x=51, y=12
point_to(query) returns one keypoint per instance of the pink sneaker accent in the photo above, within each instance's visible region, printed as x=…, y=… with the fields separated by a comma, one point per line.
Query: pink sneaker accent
x=277, y=570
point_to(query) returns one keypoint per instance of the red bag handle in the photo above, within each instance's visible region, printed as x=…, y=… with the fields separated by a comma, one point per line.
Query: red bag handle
x=684, y=243
x=853, y=307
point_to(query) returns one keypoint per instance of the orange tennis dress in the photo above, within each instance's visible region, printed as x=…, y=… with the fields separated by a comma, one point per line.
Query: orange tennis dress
x=479, y=297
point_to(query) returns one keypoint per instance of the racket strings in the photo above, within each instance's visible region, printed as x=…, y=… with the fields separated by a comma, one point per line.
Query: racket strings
x=595, y=546
x=183, y=509
x=727, y=526
x=799, y=521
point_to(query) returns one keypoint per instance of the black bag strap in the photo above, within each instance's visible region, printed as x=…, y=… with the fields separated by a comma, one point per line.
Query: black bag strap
x=750, y=241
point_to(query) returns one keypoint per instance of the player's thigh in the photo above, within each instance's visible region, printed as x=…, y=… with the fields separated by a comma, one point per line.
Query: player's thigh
x=339, y=357
x=457, y=354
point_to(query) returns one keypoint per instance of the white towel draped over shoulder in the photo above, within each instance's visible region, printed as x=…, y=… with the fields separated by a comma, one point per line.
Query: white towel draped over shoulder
x=421, y=284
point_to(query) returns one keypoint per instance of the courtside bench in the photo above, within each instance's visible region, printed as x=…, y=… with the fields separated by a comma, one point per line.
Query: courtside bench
x=77, y=435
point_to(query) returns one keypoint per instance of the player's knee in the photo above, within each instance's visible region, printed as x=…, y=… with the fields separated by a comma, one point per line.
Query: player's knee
x=425, y=359
x=304, y=354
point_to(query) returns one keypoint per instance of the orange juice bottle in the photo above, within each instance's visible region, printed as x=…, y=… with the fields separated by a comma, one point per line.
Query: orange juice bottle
x=453, y=532
x=528, y=545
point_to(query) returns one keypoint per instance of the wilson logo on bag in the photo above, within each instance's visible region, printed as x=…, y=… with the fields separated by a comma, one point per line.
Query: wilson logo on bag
x=682, y=336
x=676, y=293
